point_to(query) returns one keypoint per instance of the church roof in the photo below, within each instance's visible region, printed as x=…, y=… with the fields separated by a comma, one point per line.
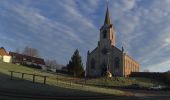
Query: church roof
x=107, y=17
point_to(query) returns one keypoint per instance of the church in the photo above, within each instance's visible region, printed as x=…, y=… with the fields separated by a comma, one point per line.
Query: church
x=107, y=57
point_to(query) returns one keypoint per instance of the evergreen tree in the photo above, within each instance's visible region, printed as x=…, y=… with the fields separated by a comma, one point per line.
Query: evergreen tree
x=75, y=65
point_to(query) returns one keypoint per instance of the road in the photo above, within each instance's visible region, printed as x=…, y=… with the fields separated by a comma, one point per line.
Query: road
x=138, y=95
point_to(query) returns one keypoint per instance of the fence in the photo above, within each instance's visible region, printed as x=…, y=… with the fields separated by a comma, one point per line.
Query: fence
x=33, y=76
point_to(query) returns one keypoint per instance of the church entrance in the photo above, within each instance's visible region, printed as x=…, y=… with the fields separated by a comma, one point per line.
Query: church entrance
x=103, y=69
x=103, y=72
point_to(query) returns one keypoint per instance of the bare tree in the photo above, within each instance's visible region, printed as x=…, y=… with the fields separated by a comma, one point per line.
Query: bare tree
x=31, y=51
x=52, y=64
x=17, y=50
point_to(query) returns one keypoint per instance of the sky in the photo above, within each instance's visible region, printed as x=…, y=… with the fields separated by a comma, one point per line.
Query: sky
x=58, y=27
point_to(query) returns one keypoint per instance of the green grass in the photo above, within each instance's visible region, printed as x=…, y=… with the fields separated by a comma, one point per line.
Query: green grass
x=68, y=82
x=122, y=81
x=62, y=81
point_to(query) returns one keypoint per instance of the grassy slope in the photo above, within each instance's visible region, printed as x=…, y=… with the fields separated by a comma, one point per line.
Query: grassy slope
x=51, y=81
x=121, y=81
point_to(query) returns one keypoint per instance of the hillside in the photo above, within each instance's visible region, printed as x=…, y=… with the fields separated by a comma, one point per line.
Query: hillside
x=61, y=84
x=56, y=84
x=122, y=82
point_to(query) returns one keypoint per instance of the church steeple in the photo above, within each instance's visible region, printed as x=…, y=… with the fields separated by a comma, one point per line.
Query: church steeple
x=107, y=20
x=107, y=31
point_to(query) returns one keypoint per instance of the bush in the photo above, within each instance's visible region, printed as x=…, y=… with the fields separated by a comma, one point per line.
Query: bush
x=167, y=77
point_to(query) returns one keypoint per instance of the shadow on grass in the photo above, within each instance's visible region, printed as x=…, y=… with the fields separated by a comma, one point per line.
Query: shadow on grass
x=36, y=91
x=25, y=87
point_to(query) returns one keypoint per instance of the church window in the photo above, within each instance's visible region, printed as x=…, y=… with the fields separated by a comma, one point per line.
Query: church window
x=105, y=34
x=93, y=63
x=117, y=62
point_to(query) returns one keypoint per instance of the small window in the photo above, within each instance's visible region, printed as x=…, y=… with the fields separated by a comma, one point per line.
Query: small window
x=104, y=35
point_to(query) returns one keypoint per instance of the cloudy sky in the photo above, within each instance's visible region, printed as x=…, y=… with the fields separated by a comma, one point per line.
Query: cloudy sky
x=57, y=27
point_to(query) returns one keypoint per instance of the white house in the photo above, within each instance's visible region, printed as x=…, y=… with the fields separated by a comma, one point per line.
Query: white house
x=4, y=56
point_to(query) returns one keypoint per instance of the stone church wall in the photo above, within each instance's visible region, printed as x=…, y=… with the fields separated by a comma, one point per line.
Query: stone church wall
x=130, y=65
x=93, y=68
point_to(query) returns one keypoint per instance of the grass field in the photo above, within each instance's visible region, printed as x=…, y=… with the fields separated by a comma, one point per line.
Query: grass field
x=122, y=81
x=64, y=82
x=54, y=80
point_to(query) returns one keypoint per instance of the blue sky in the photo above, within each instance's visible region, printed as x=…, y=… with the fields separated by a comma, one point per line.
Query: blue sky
x=57, y=27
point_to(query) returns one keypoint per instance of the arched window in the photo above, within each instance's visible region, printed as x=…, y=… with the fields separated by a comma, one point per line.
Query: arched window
x=105, y=34
x=117, y=62
x=93, y=63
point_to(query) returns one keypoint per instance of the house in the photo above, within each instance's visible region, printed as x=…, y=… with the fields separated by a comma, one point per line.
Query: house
x=27, y=60
x=4, y=55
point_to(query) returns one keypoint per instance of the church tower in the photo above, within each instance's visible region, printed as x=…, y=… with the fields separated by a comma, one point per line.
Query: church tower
x=107, y=31
x=106, y=57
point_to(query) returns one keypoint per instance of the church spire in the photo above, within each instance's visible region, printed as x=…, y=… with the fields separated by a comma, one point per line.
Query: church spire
x=107, y=17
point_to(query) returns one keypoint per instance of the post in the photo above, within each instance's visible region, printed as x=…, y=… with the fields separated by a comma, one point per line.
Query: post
x=22, y=76
x=85, y=81
x=11, y=74
x=70, y=82
x=45, y=79
x=82, y=84
x=33, y=80
x=57, y=78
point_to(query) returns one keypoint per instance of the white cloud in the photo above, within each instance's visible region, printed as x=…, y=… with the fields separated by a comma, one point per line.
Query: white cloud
x=167, y=40
x=63, y=25
x=161, y=67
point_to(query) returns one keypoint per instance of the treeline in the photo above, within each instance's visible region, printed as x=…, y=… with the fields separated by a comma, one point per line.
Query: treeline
x=164, y=77
x=167, y=77
x=29, y=51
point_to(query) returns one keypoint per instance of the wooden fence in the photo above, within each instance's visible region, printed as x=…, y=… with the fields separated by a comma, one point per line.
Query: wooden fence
x=33, y=76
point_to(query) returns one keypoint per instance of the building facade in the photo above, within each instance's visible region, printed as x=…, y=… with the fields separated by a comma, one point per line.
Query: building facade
x=4, y=55
x=27, y=60
x=107, y=57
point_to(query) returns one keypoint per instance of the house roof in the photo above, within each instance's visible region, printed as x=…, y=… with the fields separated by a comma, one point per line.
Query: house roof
x=3, y=52
x=20, y=57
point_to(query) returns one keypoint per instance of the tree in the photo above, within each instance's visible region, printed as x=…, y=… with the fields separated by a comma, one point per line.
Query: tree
x=52, y=64
x=75, y=65
x=167, y=77
x=17, y=50
x=31, y=52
